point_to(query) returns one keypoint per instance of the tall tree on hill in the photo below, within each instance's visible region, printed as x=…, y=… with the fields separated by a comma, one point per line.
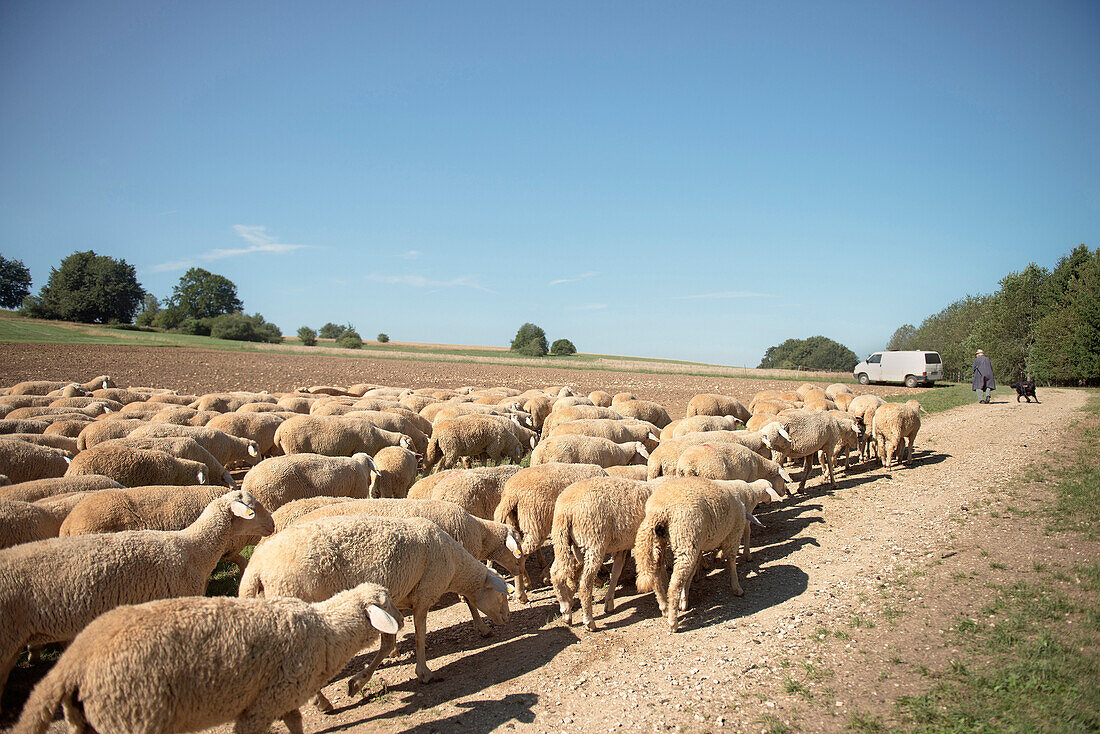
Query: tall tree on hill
x=15, y=282
x=816, y=353
x=201, y=294
x=89, y=288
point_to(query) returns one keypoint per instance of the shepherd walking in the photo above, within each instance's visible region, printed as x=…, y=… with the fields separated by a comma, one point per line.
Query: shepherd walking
x=983, y=376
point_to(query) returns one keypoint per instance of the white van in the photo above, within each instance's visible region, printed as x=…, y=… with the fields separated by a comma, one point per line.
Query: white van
x=911, y=367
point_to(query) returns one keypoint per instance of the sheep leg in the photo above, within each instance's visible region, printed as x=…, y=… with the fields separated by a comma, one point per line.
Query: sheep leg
x=616, y=569
x=592, y=563
x=829, y=462
x=735, y=583
x=521, y=578
x=7, y=663
x=682, y=569
x=660, y=584
x=359, y=681
x=807, y=467
x=420, y=620
x=293, y=721
x=688, y=581
x=482, y=628
x=561, y=578
x=746, y=543
x=74, y=716
x=544, y=567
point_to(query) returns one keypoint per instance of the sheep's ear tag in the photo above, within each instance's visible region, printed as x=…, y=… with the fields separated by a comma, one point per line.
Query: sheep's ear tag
x=511, y=589
x=774, y=495
x=240, y=509
x=512, y=545
x=382, y=620
x=252, y=451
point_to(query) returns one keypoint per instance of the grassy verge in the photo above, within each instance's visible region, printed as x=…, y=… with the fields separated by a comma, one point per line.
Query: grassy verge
x=1078, y=489
x=943, y=397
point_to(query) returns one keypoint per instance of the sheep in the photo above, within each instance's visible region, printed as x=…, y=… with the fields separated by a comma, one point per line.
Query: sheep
x=850, y=439
x=588, y=450
x=714, y=404
x=895, y=424
x=295, y=403
x=577, y=412
x=837, y=388
x=774, y=406
x=455, y=409
x=182, y=448
x=813, y=431
x=51, y=440
x=819, y=402
x=21, y=461
x=751, y=494
x=260, y=408
x=142, y=411
x=335, y=436
x=68, y=428
x=470, y=437
x=412, y=558
x=258, y=427
x=600, y=398
x=229, y=450
x=11, y=402
x=417, y=403
x=477, y=492
x=42, y=387
x=99, y=431
x=396, y=467
x=613, y=430
x=594, y=518
x=539, y=408
x=282, y=479
x=172, y=399
x=419, y=422
x=222, y=659
x=485, y=540
x=562, y=403
x=513, y=423
x=133, y=467
x=698, y=423
x=23, y=426
x=422, y=488
x=52, y=589
x=86, y=402
x=683, y=518
x=731, y=461
x=645, y=410
x=25, y=522
x=526, y=505
x=622, y=397
x=120, y=395
x=807, y=388
x=639, y=472
x=759, y=420
x=866, y=406
x=42, y=488
x=295, y=510
x=843, y=400
x=754, y=441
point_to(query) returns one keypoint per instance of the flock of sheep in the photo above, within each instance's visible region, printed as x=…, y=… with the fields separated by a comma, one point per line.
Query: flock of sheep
x=121, y=503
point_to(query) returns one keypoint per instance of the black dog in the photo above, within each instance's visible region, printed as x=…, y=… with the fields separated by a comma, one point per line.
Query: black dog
x=1025, y=389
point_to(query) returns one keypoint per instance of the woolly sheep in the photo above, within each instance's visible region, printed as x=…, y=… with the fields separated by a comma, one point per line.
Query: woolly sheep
x=526, y=505
x=773, y=406
x=85, y=402
x=645, y=410
x=600, y=398
x=69, y=428
x=396, y=467
x=714, y=404
x=229, y=450
x=698, y=423
x=639, y=472
x=100, y=431
x=538, y=408
x=25, y=522
x=622, y=397
x=22, y=426
x=588, y=450
x=751, y=494
x=189, y=664
x=525, y=436
x=865, y=406
x=837, y=388
x=282, y=479
x=570, y=401
x=476, y=491
x=42, y=488
x=258, y=427
x=51, y=589
x=182, y=448
x=813, y=431
x=592, y=519
x=731, y=461
x=51, y=440
x=759, y=420
x=134, y=467
x=470, y=437
x=42, y=387
x=119, y=394
x=618, y=431
x=21, y=461
x=843, y=400
x=683, y=518
x=893, y=426
x=335, y=436
x=412, y=558
x=577, y=412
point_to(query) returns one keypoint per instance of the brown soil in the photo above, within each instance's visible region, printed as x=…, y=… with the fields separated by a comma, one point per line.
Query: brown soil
x=830, y=560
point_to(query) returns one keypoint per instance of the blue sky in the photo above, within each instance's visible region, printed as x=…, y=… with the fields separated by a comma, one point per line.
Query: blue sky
x=691, y=180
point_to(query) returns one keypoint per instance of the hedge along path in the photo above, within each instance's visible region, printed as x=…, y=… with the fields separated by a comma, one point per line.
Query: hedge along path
x=820, y=564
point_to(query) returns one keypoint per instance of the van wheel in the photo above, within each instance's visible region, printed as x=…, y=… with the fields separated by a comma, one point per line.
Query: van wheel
x=864, y=379
x=910, y=381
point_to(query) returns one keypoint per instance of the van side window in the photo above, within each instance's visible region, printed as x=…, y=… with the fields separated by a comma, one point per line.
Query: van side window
x=932, y=358
x=874, y=359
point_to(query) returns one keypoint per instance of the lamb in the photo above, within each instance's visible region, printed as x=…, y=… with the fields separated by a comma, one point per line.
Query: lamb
x=335, y=436
x=895, y=424
x=698, y=423
x=412, y=558
x=396, y=467
x=91, y=574
x=22, y=461
x=222, y=659
x=470, y=437
x=26, y=522
x=731, y=461
x=477, y=491
x=588, y=450
x=182, y=448
x=592, y=519
x=618, y=431
x=526, y=505
x=43, y=387
x=133, y=467
x=683, y=518
x=42, y=488
x=483, y=539
x=813, y=431
x=645, y=410
x=229, y=450
x=714, y=404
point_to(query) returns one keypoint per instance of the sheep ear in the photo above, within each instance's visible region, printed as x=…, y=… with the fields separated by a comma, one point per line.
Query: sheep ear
x=106, y=409
x=252, y=450
x=784, y=434
x=511, y=544
x=240, y=509
x=641, y=451
x=766, y=441
x=201, y=475
x=67, y=460
x=652, y=437
x=775, y=496
x=382, y=620
x=752, y=519
x=534, y=442
x=783, y=473
x=496, y=583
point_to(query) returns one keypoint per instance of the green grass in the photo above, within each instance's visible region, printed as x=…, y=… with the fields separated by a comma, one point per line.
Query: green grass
x=943, y=396
x=1077, y=485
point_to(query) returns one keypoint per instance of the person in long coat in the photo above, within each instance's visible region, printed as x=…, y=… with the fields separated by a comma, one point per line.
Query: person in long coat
x=983, y=376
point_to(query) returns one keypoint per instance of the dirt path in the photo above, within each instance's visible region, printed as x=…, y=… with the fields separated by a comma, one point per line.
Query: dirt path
x=823, y=559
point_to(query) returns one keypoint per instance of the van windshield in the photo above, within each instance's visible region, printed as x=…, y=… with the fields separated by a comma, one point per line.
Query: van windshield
x=874, y=359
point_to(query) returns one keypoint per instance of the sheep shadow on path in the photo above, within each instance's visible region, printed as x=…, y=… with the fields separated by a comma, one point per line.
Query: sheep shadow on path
x=712, y=602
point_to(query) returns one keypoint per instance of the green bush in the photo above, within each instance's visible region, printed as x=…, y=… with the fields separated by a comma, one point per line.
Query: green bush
x=815, y=353
x=168, y=318
x=562, y=347
x=383, y=338
x=150, y=307
x=195, y=327
x=350, y=339
x=244, y=328
x=307, y=336
x=331, y=331
x=531, y=341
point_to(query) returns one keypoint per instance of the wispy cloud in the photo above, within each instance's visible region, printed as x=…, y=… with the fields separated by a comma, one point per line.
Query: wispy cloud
x=582, y=276
x=409, y=255
x=419, y=281
x=722, y=294
x=587, y=307
x=257, y=237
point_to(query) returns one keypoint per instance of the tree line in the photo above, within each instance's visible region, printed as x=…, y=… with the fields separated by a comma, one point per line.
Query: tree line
x=1043, y=323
